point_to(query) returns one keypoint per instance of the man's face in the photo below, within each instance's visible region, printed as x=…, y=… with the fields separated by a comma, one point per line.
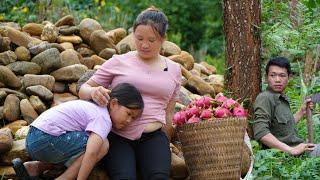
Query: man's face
x=277, y=78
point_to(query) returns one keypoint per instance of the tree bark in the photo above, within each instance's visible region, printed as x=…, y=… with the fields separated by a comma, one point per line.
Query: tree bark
x=294, y=13
x=243, y=73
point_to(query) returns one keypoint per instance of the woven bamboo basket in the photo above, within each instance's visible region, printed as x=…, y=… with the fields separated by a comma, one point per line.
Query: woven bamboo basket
x=213, y=148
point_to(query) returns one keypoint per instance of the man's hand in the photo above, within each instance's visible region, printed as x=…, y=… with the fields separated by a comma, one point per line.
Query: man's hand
x=303, y=109
x=301, y=148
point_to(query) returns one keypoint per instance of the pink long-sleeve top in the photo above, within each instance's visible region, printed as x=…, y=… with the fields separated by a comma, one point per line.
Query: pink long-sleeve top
x=157, y=87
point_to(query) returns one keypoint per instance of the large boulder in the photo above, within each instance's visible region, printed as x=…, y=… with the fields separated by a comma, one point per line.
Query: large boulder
x=40, y=91
x=49, y=60
x=69, y=57
x=20, y=38
x=22, y=53
x=24, y=67
x=34, y=29
x=100, y=40
x=185, y=59
x=16, y=125
x=50, y=33
x=8, y=78
x=66, y=20
x=44, y=80
x=69, y=73
x=11, y=108
x=27, y=111
x=6, y=140
x=7, y=57
x=87, y=26
x=37, y=104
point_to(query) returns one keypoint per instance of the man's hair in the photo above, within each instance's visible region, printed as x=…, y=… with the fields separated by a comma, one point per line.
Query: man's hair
x=127, y=96
x=280, y=62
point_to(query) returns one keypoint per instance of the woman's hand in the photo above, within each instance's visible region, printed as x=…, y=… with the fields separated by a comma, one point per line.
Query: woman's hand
x=100, y=95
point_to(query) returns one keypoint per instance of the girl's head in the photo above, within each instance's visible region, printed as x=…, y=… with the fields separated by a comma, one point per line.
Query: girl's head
x=150, y=29
x=125, y=105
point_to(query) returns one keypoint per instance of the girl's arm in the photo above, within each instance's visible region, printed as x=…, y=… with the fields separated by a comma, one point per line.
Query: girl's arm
x=90, y=156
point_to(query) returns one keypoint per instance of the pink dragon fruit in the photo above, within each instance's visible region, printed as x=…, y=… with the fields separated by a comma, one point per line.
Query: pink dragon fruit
x=193, y=111
x=239, y=112
x=221, y=98
x=193, y=119
x=230, y=104
x=180, y=118
x=204, y=102
x=206, y=114
x=222, y=112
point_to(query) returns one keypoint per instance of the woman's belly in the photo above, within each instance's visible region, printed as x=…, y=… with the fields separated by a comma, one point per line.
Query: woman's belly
x=152, y=126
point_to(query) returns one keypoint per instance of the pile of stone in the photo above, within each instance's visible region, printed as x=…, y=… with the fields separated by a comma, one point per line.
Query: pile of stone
x=40, y=65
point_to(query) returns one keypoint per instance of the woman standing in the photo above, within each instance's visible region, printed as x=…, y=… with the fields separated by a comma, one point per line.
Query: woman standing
x=141, y=146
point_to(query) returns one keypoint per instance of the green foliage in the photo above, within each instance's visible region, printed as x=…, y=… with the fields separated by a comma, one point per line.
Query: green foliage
x=218, y=62
x=273, y=164
x=278, y=35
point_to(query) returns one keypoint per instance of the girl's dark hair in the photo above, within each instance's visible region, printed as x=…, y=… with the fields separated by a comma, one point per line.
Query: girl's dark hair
x=127, y=96
x=153, y=17
x=280, y=62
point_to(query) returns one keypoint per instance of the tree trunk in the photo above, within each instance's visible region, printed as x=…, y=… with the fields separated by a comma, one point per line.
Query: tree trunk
x=243, y=72
x=308, y=68
x=294, y=13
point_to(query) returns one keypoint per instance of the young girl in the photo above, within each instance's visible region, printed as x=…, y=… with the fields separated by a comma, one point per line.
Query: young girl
x=75, y=133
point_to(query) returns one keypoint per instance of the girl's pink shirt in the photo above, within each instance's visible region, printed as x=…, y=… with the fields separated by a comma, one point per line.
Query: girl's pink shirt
x=157, y=87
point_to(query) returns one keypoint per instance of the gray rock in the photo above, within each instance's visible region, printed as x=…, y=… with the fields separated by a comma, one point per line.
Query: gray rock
x=69, y=30
x=69, y=73
x=107, y=53
x=4, y=44
x=20, y=95
x=87, y=26
x=11, y=108
x=49, y=60
x=40, y=91
x=3, y=96
x=69, y=57
x=50, y=33
x=22, y=53
x=36, y=49
x=100, y=40
x=7, y=57
x=27, y=111
x=84, y=78
x=37, y=104
x=60, y=87
x=44, y=80
x=85, y=52
x=66, y=20
x=33, y=29
x=24, y=67
x=8, y=78
x=18, y=150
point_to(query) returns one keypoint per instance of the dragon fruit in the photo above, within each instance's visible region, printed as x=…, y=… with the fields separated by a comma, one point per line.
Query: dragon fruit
x=206, y=114
x=221, y=112
x=239, y=112
x=221, y=98
x=230, y=104
x=204, y=102
x=193, y=111
x=180, y=118
x=193, y=119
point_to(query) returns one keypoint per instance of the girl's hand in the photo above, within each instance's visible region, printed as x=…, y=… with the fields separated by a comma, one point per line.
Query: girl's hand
x=100, y=95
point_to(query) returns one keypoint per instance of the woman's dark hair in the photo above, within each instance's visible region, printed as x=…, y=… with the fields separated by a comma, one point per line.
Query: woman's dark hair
x=127, y=96
x=280, y=62
x=153, y=17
